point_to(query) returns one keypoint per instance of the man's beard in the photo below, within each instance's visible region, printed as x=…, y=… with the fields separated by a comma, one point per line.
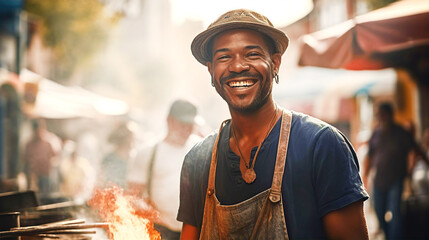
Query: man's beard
x=260, y=99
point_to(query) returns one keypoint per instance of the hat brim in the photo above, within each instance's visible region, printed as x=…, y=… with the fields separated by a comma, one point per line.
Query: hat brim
x=199, y=46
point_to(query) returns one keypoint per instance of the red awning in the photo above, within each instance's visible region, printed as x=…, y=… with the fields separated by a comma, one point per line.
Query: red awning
x=351, y=45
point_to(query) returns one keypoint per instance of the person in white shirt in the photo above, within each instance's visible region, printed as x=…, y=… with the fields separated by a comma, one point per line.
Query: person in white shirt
x=155, y=174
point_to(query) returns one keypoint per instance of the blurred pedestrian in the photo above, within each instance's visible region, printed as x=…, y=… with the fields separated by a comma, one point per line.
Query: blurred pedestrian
x=40, y=156
x=156, y=173
x=389, y=149
x=76, y=173
x=114, y=166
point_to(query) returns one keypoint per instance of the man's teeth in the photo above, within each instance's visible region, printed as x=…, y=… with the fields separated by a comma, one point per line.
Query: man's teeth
x=241, y=83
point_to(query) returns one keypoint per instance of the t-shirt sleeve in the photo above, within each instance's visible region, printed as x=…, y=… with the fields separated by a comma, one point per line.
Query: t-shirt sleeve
x=193, y=182
x=336, y=172
x=186, y=208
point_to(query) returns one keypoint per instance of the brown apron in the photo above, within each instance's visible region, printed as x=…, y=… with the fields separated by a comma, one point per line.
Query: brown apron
x=260, y=217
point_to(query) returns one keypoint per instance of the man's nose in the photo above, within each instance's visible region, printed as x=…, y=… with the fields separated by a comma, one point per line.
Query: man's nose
x=238, y=65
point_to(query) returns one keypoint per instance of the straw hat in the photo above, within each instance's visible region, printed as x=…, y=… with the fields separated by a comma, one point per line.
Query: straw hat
x=240, y=18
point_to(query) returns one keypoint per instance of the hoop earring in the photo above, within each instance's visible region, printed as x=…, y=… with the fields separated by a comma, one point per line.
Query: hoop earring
x=212, y=83
x=276, y=78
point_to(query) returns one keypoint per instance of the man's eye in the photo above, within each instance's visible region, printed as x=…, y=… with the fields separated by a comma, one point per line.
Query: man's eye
x=222, y=57
x=253, y=54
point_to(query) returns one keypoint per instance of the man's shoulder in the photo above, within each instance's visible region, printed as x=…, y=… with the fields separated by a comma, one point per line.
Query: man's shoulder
x=306, y=124
x=310, y=131
x=401, y=129
x=192, y=140
x=145, y=151
x=197, y=161
x=204, y=146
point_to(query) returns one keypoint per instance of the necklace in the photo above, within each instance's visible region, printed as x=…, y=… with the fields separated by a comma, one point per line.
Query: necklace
x=249, y=175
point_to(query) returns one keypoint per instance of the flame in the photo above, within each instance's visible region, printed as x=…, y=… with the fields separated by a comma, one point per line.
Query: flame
x=126, y=222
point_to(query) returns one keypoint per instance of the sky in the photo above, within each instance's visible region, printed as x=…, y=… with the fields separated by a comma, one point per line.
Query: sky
x=280, y=12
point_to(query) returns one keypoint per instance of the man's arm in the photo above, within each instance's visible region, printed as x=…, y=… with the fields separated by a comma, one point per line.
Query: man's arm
x=346, y=223
x=366, y=170
x=189, y=232
x=420, y=152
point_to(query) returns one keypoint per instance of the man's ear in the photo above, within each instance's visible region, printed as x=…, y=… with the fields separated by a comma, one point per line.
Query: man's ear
x=209, y=67
x=277, y=60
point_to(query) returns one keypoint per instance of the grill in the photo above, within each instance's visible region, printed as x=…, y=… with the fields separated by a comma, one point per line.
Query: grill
x=22, y=218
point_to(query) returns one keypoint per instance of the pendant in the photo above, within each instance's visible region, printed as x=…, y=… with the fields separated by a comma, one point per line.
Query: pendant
x=249, y=175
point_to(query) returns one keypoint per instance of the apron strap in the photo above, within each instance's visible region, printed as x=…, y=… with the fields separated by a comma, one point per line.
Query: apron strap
x=212, y=174
x=275, y=194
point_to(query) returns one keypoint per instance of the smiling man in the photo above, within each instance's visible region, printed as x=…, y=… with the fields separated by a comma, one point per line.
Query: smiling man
x=268, y=173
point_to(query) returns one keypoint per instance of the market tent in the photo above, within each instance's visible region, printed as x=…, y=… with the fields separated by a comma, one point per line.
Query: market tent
x=321, y=92
x=358, y=43
x=57, y=101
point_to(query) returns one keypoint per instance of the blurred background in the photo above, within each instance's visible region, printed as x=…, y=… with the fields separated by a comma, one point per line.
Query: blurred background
x=85, y=67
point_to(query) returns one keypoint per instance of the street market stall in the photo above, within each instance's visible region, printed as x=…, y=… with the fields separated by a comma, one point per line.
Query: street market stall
x=49, y=99
x=360, y=43
x=395, y=36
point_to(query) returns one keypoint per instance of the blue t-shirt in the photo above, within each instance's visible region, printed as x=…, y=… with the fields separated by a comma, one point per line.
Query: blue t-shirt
x=321, y=175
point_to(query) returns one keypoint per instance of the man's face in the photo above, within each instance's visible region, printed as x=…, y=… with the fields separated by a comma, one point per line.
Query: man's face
x=242, y=69
x=179, y=129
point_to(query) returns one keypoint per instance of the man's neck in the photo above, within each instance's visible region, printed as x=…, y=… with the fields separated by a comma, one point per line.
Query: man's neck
x=175, y=140
x=253, y=127
x=386, y=127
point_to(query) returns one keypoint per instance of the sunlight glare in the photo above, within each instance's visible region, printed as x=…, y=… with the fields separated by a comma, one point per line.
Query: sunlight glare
x=280, y=12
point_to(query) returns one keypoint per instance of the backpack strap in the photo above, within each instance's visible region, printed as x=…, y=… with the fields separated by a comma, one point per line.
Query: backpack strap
x=150, y=172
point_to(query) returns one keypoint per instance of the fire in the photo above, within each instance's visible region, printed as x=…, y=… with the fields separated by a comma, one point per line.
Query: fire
x=126, y=222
